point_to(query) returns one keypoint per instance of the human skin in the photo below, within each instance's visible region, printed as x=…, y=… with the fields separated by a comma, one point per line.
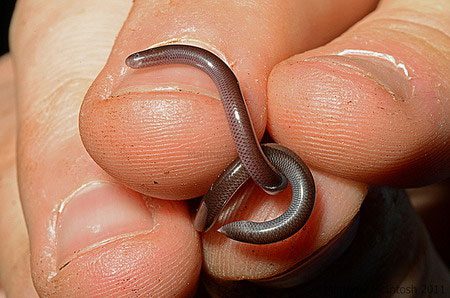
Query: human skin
x=337, y=112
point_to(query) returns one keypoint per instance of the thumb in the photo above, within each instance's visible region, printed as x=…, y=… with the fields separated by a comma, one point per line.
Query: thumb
x=373, y=104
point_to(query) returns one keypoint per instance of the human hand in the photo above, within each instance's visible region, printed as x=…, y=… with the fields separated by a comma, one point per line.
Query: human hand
x=336, y=112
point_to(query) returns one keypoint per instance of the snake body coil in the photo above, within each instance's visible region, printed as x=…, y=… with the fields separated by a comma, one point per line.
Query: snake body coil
x=268, y=170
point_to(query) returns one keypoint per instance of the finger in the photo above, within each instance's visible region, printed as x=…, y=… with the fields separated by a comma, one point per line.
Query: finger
x=373, y=104
x=391, y=255
x=162, y=131
x=89, y=235
x=337, y=204
x=15, y=274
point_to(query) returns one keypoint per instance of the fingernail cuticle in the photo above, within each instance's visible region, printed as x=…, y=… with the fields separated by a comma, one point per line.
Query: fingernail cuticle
x=170, y=78
x=96, y=214
x=387, y=71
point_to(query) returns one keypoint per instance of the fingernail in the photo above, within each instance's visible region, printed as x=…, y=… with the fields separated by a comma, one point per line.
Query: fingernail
x=96, y=214
x=201, y=218
x=393, y=75
x=310, y=267
x=169, y=78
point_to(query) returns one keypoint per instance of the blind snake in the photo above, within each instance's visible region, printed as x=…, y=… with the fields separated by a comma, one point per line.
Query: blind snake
x=269, y=169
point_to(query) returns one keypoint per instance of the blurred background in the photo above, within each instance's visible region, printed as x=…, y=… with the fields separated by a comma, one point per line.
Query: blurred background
x=6, y=9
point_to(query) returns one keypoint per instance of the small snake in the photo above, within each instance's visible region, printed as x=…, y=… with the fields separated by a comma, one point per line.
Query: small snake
x=269, y=169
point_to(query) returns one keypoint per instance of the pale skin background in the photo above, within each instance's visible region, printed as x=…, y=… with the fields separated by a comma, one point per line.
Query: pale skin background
x=370, y=107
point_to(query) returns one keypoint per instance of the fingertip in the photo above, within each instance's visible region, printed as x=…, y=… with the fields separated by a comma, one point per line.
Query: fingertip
x=164, y=144
x=357, y=117
x=371, y=105
x=337, y=203
x=163, y=261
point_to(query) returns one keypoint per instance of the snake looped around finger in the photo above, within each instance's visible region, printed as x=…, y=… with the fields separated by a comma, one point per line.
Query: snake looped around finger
x=271, y=166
